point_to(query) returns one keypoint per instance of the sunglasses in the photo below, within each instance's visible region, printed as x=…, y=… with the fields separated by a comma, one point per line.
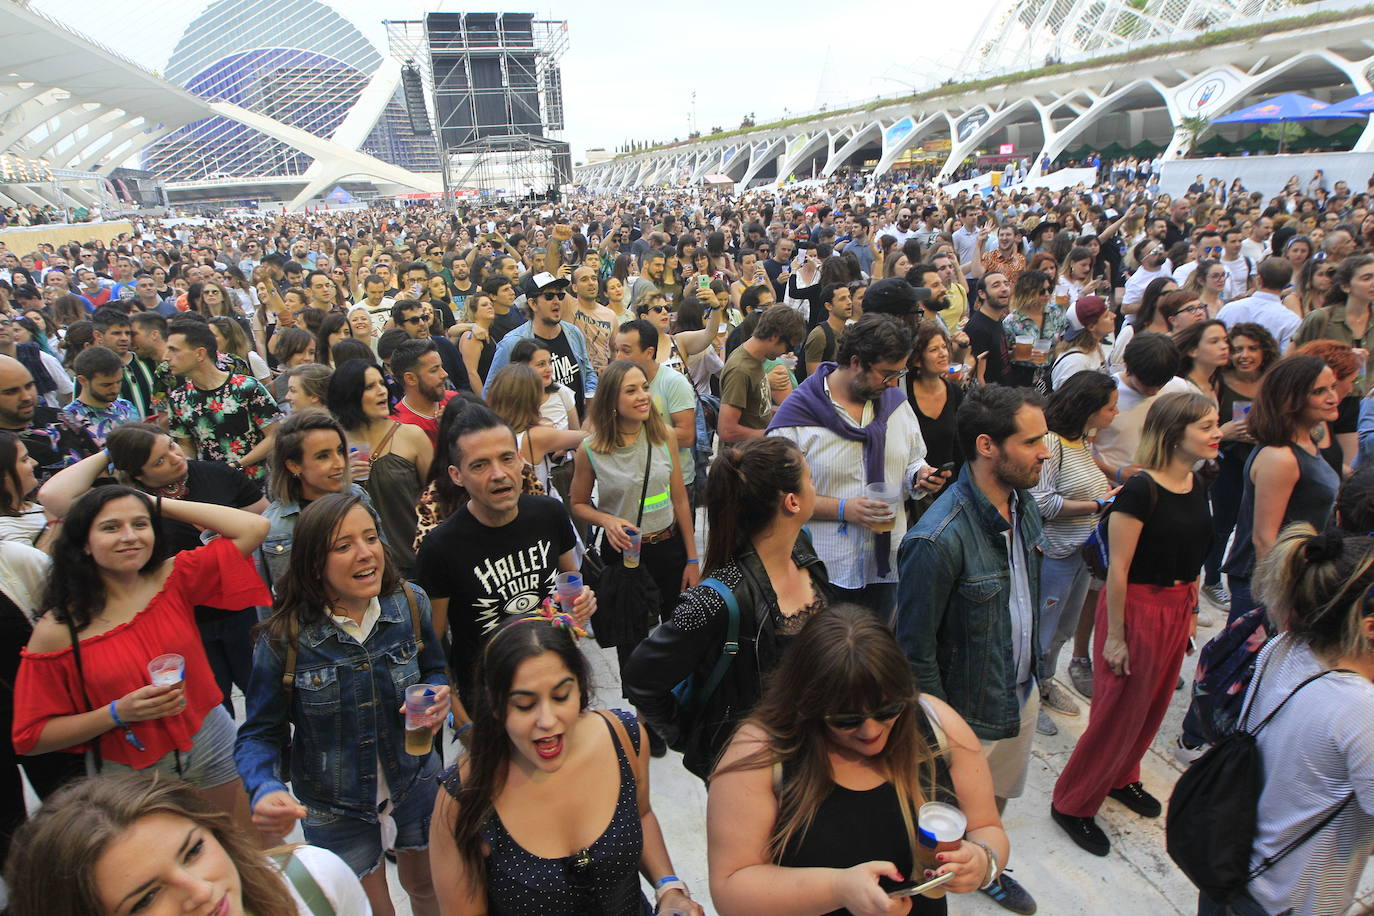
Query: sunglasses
x=1212, y=249
x=657, y=308
x=414, y=319
x=848, y=722
x=553, y=296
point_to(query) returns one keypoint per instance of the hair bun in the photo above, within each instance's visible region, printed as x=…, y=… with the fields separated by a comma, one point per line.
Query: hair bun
x=1324, y=547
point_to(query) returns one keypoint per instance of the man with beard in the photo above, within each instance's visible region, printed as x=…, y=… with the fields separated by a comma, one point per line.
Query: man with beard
x=417, y=320
x=987, y=340
x=968, y=591
x=1154, y=263
x=417, y=366
x=567, y=346
x=98, y=408
x=53, y=439
x=852, y=421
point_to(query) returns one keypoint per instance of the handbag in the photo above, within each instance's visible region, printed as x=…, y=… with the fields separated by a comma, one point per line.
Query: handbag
x=627, y=595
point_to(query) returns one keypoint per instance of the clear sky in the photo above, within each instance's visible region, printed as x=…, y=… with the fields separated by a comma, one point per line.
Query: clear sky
x=630, y=70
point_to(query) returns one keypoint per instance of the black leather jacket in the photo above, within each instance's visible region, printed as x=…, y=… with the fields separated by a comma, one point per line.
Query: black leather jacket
x=691, y=642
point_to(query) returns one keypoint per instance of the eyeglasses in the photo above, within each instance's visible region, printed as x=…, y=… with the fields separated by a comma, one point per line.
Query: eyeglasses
x=1328, y=272
x=657, y=308
x=894, y=376
x=1198, y=307
x=552, y=295
x=413, y=319
x=848, y=722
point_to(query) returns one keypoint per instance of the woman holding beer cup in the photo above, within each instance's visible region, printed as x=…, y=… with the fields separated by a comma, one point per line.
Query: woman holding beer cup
x=648, y=522
x=346, y=642
x=92, y=680
x=841, y=738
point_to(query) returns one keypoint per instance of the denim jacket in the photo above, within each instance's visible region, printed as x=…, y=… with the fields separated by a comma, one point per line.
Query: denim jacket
x=953, y=594
x=274, y=555
x=345, y=707
x=576, y=342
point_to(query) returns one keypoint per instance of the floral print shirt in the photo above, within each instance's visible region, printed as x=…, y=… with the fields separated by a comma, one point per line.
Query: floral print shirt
x=98, y=421
x=229, y=420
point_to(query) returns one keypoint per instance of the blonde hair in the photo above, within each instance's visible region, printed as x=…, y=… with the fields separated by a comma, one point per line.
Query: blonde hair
x=1169, y=417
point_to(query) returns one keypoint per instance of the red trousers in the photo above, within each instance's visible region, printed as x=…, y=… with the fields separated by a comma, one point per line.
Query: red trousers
x=1126, y=710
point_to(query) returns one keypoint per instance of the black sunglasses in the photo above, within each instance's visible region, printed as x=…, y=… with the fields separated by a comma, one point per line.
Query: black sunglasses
x=414, y=319
x=552, y=295
x=848, y=722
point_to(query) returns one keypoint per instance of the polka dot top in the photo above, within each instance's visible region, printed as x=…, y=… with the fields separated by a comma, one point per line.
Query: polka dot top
x=601, y=880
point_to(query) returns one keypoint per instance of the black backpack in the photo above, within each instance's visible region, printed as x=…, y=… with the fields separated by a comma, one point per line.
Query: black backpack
x=1210, y=832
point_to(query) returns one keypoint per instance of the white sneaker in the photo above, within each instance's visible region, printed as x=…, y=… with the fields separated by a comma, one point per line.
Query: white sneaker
x=1186, y=755
x=1206, y=619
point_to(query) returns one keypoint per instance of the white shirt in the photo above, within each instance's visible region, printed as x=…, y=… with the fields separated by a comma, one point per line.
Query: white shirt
x=1074, y=362
x=1255, y=251
x=23, y=574
x=1237, y=277
x=1116, y=444
x=60, y=378
x=1265, y=309
x=1136, y=283
x=1184, y=271
x=340, y=886
x=837, y=469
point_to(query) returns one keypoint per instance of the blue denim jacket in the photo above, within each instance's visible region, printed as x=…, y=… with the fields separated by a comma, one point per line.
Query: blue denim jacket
x=274, y=555
x=346, y=710
x=953, y=618
x=576, y=342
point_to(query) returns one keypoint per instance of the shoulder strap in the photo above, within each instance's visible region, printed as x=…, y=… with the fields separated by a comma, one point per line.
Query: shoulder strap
x=731, y=646
x=415, y=624
x=386, y=440
x=305, y=884
x=644, y=489
x=293, y=635
x=622, y=735
x=81, y=680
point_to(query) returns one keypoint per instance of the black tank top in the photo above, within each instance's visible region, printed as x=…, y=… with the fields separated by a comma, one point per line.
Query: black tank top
x=852, y=827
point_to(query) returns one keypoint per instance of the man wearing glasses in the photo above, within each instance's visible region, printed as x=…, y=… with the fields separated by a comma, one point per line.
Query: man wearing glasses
x=1209, y=248
x=852, y=421
x=571, y=366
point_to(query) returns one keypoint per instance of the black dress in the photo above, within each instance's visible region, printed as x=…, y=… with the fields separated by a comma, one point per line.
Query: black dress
x=852, y=827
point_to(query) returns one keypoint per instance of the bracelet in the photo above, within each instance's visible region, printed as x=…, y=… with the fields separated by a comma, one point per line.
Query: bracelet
x=691, y=561
x=129, y=735
x=462, y=730
x=114, y=714
x=844, y=526
x=669, y=883
x=1118, y=474
x=993, y=871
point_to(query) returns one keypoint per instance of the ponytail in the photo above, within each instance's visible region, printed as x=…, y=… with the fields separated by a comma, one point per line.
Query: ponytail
x=743, y=489
x=1315, y=587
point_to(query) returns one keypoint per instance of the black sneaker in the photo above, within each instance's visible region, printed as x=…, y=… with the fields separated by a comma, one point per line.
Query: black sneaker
x=1135, y=797
x=1083, y=831
x=1010, y=895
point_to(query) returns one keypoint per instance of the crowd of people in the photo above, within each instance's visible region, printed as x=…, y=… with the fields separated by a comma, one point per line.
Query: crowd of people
x=837, y=469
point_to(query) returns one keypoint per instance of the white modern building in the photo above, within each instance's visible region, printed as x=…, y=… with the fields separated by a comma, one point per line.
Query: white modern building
x=84, y=110
x=1056, y=76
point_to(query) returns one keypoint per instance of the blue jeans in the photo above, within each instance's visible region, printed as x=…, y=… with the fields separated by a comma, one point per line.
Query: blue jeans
x=878, y=597
x=359, y=842
x=1244, y=905
x=1063, y=586
x=1241, y=598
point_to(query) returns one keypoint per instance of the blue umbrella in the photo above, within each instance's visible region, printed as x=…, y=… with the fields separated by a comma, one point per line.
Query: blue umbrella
x=1356, y=105
x=1290, y=106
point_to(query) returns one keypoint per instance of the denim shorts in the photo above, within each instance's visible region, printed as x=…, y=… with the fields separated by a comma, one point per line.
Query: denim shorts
x=359, y=842
x=209, y=762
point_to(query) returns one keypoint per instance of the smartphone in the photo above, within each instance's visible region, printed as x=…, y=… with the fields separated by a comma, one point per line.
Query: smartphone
x=911, y=888
x=947, y=467
x=703, y=282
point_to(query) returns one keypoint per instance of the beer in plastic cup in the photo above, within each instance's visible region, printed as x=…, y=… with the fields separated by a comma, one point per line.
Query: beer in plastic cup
x=166, y=670
x=939, y=828
x=789, y=360
x=630, y=556
x=567, y=587
x=419, y=738
x=1025, y=343
x=1040, y=350
x=889, y=493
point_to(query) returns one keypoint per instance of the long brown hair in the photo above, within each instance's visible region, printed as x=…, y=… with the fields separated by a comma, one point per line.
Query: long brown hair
x=844, y=661
x=1282, y=398
x=76, y=826
x=743, y=490
x=301, y=592
x=605, y=418
x=514, y=394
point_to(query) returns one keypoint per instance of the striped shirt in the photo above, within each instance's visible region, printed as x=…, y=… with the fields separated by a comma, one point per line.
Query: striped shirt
x=1070, y=473
x=1317, y=751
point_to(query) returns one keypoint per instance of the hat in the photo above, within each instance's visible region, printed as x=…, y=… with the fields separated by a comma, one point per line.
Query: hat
x=893, y=296
x=1030, y=223
x=545, y=280
x=1082, y=315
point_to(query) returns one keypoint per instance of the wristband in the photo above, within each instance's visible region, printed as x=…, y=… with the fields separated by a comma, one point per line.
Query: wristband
x=669, y=883
x=844, y=526
x=462, y=730
x=993, y=871
x=114, y=714
x=129, y=735
x=692, y=561
x=1118, y=474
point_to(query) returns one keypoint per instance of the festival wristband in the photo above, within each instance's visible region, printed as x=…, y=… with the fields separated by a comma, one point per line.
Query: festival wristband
x=844, y=526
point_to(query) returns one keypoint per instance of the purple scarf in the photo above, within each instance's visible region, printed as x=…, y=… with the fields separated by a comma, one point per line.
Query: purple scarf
x=809, y=405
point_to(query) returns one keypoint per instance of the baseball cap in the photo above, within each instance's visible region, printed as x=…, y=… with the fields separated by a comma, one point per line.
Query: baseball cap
x=545, y=280
x=1081, y=315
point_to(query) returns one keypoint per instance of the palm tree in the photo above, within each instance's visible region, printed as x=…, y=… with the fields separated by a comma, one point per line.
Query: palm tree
x=1193, y=128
